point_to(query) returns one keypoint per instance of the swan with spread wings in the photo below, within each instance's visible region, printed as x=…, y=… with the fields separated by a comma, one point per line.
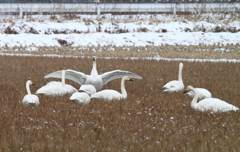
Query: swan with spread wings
x=94, y=78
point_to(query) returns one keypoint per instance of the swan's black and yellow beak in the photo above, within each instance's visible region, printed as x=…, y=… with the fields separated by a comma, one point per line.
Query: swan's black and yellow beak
x=185, y=91
x=94, y=58
x=33, y=83
x=130, y=79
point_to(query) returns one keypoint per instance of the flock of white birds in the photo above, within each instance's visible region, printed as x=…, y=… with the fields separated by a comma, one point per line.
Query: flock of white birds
x=92, y=84
x=206, y=103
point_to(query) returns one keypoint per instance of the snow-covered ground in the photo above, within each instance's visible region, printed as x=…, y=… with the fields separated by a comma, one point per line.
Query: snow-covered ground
x=119, y=30
x=125, y=39
x=138, y=30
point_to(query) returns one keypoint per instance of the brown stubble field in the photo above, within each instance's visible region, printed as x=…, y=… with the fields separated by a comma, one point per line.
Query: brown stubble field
x=148, y=120
x=201, y=51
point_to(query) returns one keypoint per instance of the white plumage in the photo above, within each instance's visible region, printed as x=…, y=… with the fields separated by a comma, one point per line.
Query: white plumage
x=88, y=88
x=210, y=104
x=112, y=94
x=80, y=98
x=202, y=93
x=55, y=88
x=30, y=99
x=94, y=79
x=175, y=85
x=83, y=97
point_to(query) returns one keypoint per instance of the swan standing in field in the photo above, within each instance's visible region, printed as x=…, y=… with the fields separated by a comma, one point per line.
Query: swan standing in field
x=55, y=88
x=94, y=78
x=175, y=85
x=202, y=93
x=112, y=94
x=209, y=104
x=30, y=99
x=83, y=97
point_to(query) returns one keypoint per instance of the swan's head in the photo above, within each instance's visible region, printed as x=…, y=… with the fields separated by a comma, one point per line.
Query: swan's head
x=180, y=65
x=29, y=82
x=189, y=88
x=94, y=58
x=127, y=78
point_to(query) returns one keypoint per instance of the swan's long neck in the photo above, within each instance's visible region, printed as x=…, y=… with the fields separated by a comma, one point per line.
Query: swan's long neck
x=123, y=90
x=94, y=69
x=195, y=97
x=63, y=78
x=28, y=88
x=180, y=72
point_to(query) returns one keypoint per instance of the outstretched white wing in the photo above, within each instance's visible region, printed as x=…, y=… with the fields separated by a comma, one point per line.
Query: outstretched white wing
x=116, y=74
x=75, y=76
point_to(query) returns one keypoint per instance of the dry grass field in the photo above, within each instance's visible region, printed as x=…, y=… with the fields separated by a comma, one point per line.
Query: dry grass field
x=148, y=120
x=201, y=51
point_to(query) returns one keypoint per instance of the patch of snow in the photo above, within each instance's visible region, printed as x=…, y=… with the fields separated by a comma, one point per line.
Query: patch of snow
x=120, y=30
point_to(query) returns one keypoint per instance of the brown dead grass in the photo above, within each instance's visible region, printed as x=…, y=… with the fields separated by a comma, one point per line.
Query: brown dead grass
x=201, y=51
x=147, y=120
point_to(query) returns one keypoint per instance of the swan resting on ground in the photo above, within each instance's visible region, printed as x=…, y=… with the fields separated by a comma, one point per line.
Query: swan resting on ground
x=30, y=99
x=55, y=88
x=83, y=97
x=94, y=79
x=210, y=104
x=112, y=94
x=202, y=93
x=175, y=85
x=88, y=88
x=80, y=98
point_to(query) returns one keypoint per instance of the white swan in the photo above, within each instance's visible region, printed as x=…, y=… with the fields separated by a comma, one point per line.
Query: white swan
x=80, y=98
x=112, y=94
x=55, y=88
x=175, y=85
x=88, y=88
x=209, y=104
x=202, y=93
x=83, y=97
x=30, y=99
x=94, y=79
